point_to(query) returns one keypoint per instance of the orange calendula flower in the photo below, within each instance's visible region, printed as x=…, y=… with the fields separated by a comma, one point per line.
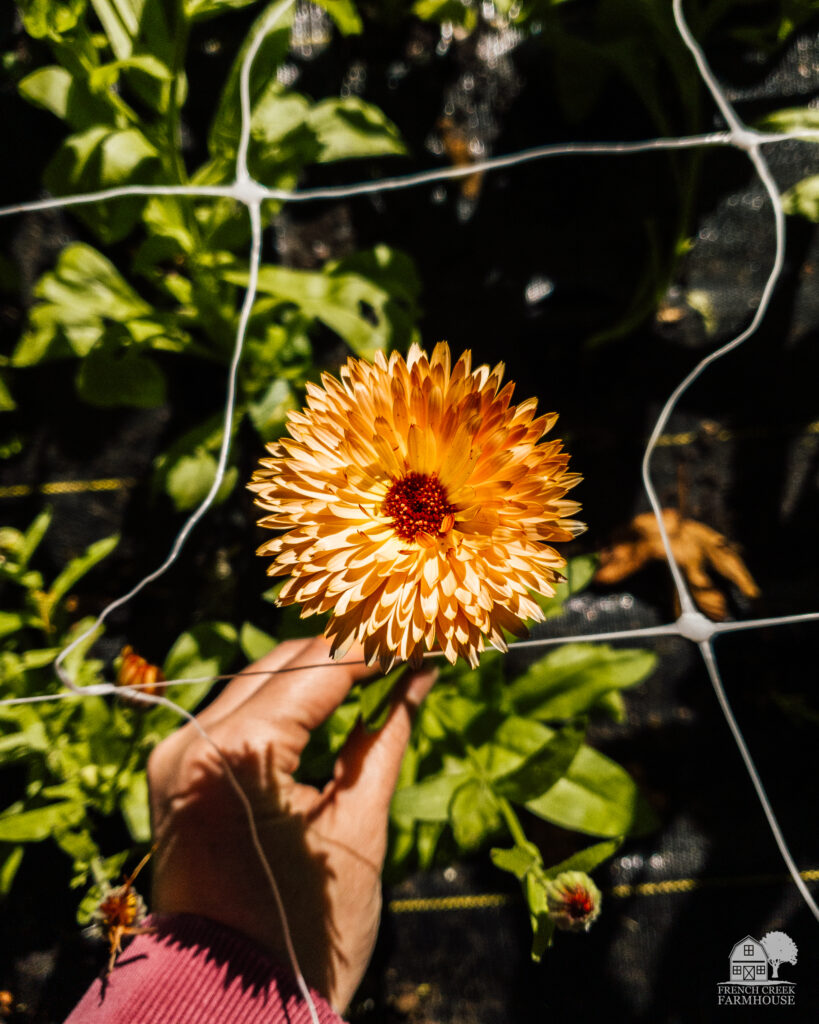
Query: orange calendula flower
x=419, y=507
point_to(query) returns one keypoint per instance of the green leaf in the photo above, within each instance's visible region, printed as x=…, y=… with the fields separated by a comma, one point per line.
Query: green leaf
x=191, y=477
x=35, y=825
x=596, y=796
x=198, y=10
x=56, y=90
x=371, y=313
x=428, y=800
x=446, y=10
x=10, y=860
x=47, y=19
x=792, y=119
x=539, y=772
x=519, y=860
x=348, y=128
x=473, y=814
x=344, y=14
x=78, y=567
x=570, y=679
x=11, y=622
x=105, y=76
x=803, y=199
x=269, y=413
x=226, y=126
x=255, y=643
x=33, y=536
x=77, y=301
x=579, y=572
x=543, y=931
x=587, y=860
x=98, y=158
x=207, y=650
x=135, y=808
x=375, y=699
x=110, y=377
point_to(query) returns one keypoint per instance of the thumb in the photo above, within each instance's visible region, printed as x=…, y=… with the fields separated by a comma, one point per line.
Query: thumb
x=367, y=767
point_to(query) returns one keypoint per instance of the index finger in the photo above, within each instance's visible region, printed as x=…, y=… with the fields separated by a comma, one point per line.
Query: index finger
x=306, y=691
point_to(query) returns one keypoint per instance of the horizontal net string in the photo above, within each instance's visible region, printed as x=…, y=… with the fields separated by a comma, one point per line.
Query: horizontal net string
x=248, y=191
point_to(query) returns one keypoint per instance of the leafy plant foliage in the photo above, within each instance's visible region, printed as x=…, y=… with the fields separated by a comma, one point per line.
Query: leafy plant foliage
x=119, y=84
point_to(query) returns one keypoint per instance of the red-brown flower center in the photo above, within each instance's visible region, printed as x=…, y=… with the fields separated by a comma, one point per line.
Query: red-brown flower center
x=579, y=903
x=418, y=504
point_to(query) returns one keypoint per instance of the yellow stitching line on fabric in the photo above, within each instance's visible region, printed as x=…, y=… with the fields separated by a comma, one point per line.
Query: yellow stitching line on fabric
x=670, y=886
x=68, y=487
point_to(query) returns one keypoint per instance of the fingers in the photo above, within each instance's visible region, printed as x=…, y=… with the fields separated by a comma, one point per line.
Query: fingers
x=367, y=767
x=249, y=680
x=304, y=692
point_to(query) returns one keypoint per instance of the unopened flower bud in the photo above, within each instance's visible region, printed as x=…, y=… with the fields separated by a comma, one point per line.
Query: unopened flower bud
x=573, y=900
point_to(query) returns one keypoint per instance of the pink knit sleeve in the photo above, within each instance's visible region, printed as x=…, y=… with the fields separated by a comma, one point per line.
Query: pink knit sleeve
x=191, y=970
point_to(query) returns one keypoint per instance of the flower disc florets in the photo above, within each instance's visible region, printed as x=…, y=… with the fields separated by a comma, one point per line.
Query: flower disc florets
x=573, y=901
x=419, y=507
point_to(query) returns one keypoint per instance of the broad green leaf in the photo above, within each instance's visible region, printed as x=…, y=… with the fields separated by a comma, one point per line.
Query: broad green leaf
x=359, y=309
x=191, y=477
x=587, y=860
x=135, y=809
x=269, y=412
x=375, y=702
x=344, y=14
x=79, y=846
x=596, y=796
x=49, y=19
x=170, y=217
x=428, y=800
x=98, y=158
x=543, y=930
x=11, y=622
x=473, y=814
x=803, y=199
x=539, y=772
x=446, y=10
x=10, y=860
x=255, y=643
x=570, y=679
x=348, y=128
x=427, y=834
x=273, y=50
x=78, y=567
x=518, y=861
x=56, y=90
x=77, y=300
x=35, y=825
x=205, y=651
x=579, y=572
x=105, y=76
x=110, y=377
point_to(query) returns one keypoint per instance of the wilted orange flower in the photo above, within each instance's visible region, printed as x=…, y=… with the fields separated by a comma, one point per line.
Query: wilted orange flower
x=418, y=505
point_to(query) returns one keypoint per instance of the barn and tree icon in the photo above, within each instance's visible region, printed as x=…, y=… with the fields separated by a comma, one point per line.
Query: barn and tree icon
x=751, y=959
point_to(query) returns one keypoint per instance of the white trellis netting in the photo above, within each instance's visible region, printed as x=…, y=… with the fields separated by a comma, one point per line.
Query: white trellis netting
x=691, y=624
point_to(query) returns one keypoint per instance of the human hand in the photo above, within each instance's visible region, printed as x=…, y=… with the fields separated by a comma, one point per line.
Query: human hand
x=326, y=848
